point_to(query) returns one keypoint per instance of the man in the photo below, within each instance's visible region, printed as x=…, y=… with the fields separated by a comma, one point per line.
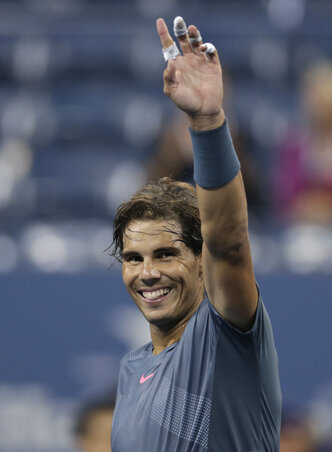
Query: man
x=208, y=381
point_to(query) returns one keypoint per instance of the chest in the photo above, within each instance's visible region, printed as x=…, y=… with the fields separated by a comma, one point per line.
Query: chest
x=168, y=398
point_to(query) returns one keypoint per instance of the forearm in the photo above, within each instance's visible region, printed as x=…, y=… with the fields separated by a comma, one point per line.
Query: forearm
x=224, y=219
x=221, y=195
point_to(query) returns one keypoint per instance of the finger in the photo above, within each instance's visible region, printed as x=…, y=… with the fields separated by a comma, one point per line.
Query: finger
x=181, y=32
x=210, y=51
x=169, y=48
x=195, y=38
x=165, y=38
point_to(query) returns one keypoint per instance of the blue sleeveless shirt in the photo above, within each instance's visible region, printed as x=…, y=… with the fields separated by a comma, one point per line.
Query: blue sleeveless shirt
x=215, y=390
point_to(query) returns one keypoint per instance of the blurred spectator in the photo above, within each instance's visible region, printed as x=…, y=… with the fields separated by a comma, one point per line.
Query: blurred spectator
x=174, y=153
x=93, y=425
x=296, y=434
x=303, y=179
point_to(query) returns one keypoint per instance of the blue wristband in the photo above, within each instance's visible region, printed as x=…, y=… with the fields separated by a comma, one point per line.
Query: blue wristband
x=215, y=159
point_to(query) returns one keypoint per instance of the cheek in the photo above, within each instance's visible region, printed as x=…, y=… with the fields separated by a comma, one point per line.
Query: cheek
x=124, y=274
x=191, y=273
x=127, y=275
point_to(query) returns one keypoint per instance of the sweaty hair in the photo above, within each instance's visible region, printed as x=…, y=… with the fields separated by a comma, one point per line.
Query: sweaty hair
x=164, y=200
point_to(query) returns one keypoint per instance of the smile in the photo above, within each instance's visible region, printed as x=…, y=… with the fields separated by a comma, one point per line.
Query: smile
x=155, y=295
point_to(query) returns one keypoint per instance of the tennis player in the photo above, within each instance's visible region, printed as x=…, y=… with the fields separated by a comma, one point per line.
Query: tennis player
x=208, y=380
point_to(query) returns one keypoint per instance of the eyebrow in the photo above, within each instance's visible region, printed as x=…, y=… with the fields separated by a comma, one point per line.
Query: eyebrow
x=170, y=249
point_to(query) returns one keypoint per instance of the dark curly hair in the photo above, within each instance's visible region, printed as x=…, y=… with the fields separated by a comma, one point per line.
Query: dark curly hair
x=165, y=199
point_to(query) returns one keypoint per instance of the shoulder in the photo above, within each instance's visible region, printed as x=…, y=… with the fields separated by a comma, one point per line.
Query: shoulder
x=137, y=354
x=260, y=327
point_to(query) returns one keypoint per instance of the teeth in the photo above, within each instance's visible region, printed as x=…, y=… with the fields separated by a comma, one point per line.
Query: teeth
x=155, y=294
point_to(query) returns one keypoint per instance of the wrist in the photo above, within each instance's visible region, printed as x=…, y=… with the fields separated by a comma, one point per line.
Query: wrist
x=207, y=122
x=215, y=159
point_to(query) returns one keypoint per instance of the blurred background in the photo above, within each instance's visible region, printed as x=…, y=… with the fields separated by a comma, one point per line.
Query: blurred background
x=84, y=123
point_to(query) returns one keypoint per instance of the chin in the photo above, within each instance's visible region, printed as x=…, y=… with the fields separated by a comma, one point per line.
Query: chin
x=165, y=321
x=164, y=324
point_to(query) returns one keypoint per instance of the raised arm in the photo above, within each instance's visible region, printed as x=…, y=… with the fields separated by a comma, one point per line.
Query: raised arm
x=193, y=81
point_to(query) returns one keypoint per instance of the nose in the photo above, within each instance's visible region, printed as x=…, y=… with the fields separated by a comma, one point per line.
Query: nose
x=149, y=273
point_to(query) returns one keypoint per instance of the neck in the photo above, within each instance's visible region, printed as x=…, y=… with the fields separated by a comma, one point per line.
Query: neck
x=165, y=335
x=162, y=340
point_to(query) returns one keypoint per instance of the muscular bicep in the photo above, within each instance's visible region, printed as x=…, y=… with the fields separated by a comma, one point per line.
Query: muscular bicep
x=230, y=284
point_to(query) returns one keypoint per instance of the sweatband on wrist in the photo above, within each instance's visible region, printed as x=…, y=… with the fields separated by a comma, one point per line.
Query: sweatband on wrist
x=215, y=159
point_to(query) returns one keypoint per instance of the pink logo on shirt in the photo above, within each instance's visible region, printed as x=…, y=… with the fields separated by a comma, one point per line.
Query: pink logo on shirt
x=143, y=379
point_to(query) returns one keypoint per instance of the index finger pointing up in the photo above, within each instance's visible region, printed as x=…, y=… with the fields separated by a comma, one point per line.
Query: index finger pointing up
x=165, y=37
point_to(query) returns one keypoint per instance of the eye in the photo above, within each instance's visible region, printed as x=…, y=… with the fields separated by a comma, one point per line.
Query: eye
x=165, y=255
x=133, y=258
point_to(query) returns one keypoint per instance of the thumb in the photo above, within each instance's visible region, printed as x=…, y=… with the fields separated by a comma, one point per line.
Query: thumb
x=169, y=78
x=170, y=72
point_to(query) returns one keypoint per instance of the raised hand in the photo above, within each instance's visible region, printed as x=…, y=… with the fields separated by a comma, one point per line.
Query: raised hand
x=193, y=80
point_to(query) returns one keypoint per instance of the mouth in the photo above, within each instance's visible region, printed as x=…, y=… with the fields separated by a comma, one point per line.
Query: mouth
x=155, y=296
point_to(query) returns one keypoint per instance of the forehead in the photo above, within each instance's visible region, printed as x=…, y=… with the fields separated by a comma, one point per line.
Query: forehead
x=152, y=233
